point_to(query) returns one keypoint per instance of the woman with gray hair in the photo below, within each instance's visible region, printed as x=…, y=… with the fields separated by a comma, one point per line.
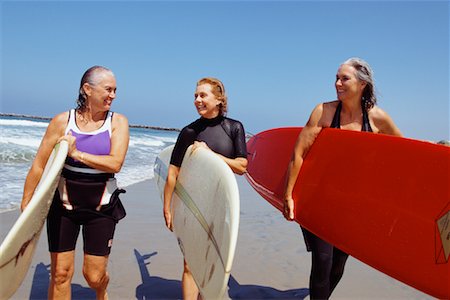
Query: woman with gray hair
x=87, y=194
x=355, y=109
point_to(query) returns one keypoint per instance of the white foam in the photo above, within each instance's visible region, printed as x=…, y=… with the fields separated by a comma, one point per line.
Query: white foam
x=150, y=140
x=12, y=122
x=129, y=176
x=7, y=155
x=24, y=141
x=145, y=142
x=166, y=139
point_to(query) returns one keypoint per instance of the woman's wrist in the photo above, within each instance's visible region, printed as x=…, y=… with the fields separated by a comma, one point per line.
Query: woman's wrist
x=287, y=197
x=79, y=155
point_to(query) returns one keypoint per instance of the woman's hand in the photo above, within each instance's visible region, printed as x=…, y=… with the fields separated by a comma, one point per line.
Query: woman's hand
x=169, y=187
x=72, y=143
x=289, y=209
x=198, y=144
x=168, y=219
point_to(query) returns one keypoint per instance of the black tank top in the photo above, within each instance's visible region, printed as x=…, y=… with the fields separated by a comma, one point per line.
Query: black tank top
x=336, y=123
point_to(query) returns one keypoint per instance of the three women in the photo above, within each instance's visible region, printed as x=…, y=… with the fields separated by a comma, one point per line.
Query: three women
x=98, y=142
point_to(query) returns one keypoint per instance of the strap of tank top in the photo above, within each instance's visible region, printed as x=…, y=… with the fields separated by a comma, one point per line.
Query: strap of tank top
x=336, y=123
x=108, y=121
x=71, y=122
x=366, y=123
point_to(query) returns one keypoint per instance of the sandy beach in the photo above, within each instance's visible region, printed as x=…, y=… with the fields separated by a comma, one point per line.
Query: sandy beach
x=271, y=260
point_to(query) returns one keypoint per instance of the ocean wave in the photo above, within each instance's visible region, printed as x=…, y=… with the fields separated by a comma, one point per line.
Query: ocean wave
x=130, y=180
x=151, y=140
x=145, y=142
x=13, y=122
x=26, y=141
x=8, y=156
x=170, y=140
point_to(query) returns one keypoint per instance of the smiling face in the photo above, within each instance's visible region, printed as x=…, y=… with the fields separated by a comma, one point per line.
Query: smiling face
x=347, y=85
x=206, y=102
x=101, y=94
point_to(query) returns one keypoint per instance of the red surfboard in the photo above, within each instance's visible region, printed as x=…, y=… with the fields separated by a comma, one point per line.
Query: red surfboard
x=384, y=200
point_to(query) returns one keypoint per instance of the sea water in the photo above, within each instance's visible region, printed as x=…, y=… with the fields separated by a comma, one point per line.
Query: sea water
x=20, y=139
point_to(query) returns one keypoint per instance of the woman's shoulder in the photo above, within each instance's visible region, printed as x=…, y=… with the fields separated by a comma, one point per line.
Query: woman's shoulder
x=326, y=106
x=377, y=114
x=232, y=122
x=191, y=128
x=60, y=119
x=382, y=122
x=119, y=121
x=323, y=113
x=58, y=123
x=232, y=127
x=119, y=117
x=332, y=105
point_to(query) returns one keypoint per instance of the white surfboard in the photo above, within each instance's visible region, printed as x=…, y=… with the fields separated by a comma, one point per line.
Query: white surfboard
x=205, y=210
x=17, y=249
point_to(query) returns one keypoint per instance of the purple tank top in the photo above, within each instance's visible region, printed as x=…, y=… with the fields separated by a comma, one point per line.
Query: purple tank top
x=81, y=186
x=97, y=142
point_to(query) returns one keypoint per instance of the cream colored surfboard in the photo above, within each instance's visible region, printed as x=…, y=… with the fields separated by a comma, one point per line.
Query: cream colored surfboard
x=17, y=249
x=205, y=209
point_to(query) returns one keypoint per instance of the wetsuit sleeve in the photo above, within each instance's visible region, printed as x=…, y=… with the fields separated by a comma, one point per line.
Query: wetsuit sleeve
x=186, y=138
x=240, y=147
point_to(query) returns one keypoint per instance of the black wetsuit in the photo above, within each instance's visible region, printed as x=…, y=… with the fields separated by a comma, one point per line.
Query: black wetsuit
x=327, y=261
x=222, y=135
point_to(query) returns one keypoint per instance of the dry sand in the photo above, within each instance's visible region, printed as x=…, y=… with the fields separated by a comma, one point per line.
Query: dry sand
x=271, y=261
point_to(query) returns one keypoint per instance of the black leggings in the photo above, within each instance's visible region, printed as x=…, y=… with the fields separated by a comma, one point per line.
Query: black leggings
x=327, y=267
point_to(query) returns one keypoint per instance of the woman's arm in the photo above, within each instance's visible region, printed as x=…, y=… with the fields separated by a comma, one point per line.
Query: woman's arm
x=304, y=141
x=169, y=187
x=54, y=130
x=238, y=165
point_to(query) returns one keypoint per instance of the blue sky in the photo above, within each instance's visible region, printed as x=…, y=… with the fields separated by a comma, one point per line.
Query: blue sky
x=277, y=59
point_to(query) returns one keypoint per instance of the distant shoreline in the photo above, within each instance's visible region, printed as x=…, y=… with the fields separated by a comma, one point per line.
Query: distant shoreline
x=48, y=119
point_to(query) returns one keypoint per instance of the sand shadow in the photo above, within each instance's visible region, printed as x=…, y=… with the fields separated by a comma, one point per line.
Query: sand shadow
x=250, y=291
x=41, y=280
x=154, y=287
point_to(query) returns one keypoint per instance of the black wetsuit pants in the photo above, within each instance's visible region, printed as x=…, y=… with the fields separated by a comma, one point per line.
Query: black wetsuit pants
x=327, y=266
